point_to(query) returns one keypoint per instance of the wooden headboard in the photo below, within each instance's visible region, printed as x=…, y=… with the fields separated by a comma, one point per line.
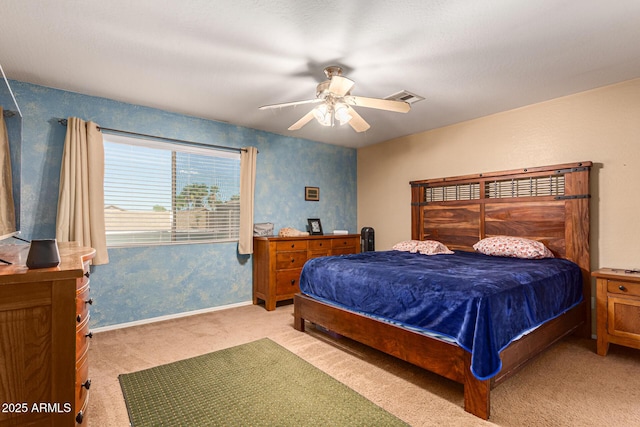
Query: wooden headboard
x=549, y=204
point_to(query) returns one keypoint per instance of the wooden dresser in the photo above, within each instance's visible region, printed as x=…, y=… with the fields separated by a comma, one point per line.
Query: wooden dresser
x=44, y=338
x=617, y=308
x=278, y=261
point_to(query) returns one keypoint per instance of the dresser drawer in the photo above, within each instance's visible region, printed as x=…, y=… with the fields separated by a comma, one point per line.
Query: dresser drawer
x=623, y=288
x=318, y=248
x=344, y=246
x=317, y=254
x=286, y=260
x=85, y=275
x=291, y=245
x=344, y=251
x=344, y=243
x=83, y=383
x=319, y=245
x=82, y=338
x=288, y=281
x=83, y=301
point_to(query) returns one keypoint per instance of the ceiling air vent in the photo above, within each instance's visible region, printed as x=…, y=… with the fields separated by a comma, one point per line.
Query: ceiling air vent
x=406, y=96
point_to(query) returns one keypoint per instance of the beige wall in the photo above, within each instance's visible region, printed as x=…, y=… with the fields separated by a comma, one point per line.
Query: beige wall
x=601, y=125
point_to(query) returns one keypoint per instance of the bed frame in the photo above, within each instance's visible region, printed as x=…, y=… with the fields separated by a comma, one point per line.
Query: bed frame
x=549, y=204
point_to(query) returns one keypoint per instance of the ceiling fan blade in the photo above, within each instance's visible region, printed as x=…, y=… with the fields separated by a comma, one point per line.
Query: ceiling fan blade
x=291, y=104
x=357, y=122
x=340, y=86
x=380, y=104
x=303, y=121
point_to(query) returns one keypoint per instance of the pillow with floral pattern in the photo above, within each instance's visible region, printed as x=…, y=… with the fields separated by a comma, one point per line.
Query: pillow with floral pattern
x=425, y=247
x=516, y=247
x=406, y=246
x=432, y=247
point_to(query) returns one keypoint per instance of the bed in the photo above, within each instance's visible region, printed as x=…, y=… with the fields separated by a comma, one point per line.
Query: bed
x=544, y=204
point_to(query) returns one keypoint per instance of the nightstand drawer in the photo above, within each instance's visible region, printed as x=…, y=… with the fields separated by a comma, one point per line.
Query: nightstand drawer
x=624, y=317
x=624, y=288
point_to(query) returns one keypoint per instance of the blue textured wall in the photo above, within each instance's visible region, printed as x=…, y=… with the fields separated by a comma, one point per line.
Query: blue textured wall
x=141, y=283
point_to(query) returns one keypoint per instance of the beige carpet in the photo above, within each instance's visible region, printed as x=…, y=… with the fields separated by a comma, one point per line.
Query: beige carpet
x=569, y=385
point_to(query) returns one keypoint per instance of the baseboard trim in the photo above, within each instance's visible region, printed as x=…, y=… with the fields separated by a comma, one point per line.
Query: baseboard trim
x=169, y=317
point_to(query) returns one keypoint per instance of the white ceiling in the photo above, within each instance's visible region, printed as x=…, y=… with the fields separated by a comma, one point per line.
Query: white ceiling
x=223, y=59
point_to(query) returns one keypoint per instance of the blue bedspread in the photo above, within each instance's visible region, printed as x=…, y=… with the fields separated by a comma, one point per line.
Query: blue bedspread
x=482, y=302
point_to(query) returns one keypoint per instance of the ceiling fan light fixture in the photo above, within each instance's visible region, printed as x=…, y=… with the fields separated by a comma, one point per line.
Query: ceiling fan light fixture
x=342, y=113
x=322, y=113
x=338, y=103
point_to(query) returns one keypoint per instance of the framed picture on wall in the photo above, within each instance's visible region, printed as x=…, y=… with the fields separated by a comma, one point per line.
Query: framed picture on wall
x=312, y=193
x=315, y=227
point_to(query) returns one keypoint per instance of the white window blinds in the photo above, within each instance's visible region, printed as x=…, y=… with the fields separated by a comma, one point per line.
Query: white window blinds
x=164, y=193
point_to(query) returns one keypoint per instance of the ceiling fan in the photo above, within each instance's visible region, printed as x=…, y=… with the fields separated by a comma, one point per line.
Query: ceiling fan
x=336, y=102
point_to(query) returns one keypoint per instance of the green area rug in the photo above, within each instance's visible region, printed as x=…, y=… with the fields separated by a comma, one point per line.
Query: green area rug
x=255, y=384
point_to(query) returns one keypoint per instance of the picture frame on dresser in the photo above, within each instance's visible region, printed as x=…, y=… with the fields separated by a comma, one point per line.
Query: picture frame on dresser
x=315, y=226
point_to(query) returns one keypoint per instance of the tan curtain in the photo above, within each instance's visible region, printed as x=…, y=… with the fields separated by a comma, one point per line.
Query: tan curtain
x=81, y=198
x=7, y=211
x=247, y=188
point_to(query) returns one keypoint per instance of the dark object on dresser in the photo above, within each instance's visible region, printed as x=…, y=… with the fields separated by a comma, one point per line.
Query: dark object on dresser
x=43, y=254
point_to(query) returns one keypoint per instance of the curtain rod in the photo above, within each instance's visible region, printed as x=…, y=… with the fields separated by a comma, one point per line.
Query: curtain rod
x=162, y=138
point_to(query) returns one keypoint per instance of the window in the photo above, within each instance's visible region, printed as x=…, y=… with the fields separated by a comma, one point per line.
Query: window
x=164, y=193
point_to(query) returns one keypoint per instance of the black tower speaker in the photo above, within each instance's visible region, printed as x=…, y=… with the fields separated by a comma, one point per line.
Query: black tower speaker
x=367, y=239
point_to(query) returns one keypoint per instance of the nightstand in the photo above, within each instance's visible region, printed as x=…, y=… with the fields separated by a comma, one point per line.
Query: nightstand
x=617, y=308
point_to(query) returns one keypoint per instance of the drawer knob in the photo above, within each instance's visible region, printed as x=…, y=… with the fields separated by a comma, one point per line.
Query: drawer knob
x=293, y=282
x=622, y=288
x=89, y=335
x=293, y=245
x=79, y=318
x=87, y=274
x=293, y=260
x=89, y=301
x=86, y=384
x=79, y=417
